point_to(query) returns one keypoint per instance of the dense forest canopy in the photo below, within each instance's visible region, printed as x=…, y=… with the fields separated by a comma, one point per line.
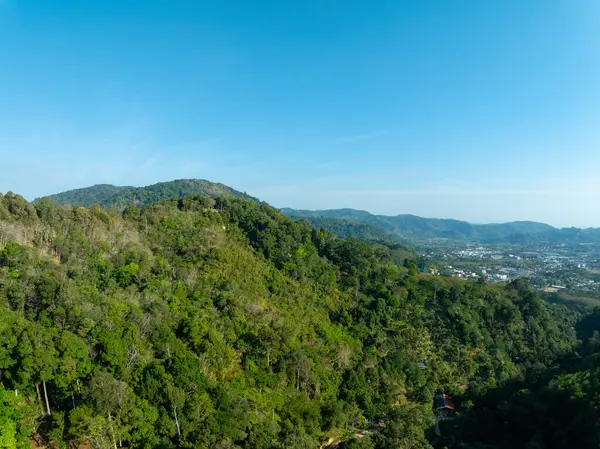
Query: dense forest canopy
x=344, y=227
x=119, y=197
x=202, y=322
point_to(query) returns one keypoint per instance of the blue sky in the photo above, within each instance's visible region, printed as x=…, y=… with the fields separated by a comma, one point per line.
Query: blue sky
x=478, y=110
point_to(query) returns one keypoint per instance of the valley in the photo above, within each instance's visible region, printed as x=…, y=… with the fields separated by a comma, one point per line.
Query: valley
x=565, y=269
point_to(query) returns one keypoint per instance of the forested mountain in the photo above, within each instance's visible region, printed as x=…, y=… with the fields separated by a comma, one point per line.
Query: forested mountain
x=118, y=197
x=344, y=228
x=418, y=228
x=222, y=323
x=341, y=222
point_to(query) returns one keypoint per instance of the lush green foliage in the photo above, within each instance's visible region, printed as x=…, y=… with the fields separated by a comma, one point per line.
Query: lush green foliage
x=550, y=408
x=222, y=323
x=16, y=420
x=118, y=197
x=344, y=228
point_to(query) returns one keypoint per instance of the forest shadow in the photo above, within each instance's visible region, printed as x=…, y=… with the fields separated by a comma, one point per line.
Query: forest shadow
x=524, y=415
x=550, y=408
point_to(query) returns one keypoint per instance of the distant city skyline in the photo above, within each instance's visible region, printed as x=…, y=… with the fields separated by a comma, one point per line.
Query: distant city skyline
x=477, y=111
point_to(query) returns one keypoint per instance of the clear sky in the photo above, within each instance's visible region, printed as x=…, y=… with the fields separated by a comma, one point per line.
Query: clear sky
x=486, y=111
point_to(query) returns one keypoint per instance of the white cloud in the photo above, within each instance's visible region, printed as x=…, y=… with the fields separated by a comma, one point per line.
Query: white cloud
x=359, y=137
x=449, y=192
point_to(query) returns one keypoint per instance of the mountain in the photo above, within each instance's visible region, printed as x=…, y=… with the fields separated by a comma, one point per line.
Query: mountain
x=119, y=197
x=344, y=228
x=341, y=222
x=182, y=324
x=417, y=228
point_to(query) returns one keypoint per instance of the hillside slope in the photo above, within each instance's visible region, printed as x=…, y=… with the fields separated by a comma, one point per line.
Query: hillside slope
x=118, y=197
x=184, y=325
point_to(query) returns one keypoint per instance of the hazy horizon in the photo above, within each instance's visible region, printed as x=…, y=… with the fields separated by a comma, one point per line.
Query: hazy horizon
x=467, y=110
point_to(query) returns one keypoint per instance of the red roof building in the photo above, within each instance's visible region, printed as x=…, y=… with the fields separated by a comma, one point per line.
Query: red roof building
x=443, y=402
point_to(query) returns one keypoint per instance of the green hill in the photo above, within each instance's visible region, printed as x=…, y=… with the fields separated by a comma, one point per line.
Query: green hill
x=344, y=228
x=198, y=323
x=411, y=227
x=118, y=197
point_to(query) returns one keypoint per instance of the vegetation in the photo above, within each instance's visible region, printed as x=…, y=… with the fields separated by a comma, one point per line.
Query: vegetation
x=550, y=408
x=221, y=323
x=119, y=197
x=567, y=298
x=398, y=251
x=344, y=228
x=341, y=222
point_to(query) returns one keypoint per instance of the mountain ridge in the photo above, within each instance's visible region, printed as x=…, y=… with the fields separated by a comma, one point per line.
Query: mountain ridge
x=328, y=212
x=119, y=197
x=408, y=226
x=344, y=222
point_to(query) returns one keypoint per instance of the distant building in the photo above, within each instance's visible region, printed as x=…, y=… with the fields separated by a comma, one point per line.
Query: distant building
x=444, y=409
x=443, y=404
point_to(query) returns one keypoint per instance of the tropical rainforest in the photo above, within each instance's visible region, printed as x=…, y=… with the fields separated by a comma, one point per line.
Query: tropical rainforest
x=118, y=197
x=215, y=321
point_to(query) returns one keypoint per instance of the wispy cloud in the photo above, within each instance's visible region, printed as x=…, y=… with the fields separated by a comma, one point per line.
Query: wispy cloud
x=359, y=137
x=325, y=165
x=448, y=192
x=59, y=158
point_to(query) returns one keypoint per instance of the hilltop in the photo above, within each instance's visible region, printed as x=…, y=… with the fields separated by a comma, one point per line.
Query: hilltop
x=119, y=197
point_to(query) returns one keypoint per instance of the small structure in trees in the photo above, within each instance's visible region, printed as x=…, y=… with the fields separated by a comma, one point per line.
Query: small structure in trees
x=443, y=404
x=444, y=410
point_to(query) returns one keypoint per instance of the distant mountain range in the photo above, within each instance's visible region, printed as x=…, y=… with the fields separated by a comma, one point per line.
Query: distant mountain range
x=341, y=222
x=411, y=227
x=119, y=197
